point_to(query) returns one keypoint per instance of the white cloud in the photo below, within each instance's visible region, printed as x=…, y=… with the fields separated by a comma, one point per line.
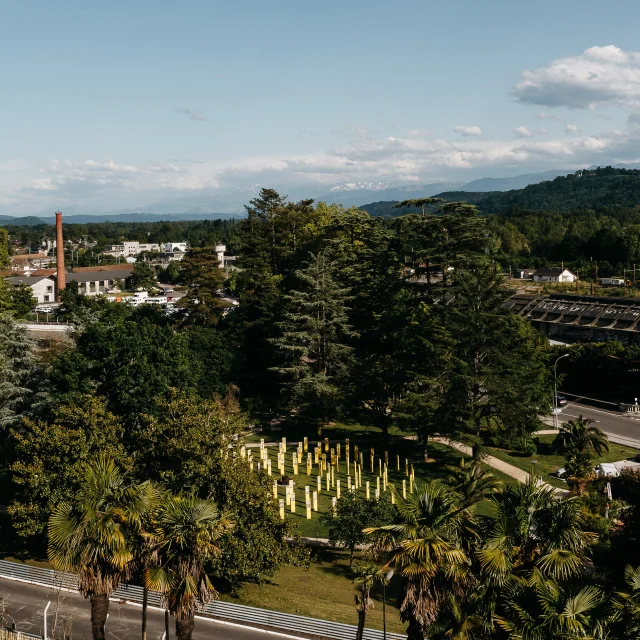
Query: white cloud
x=599, y=76
x=192, y=115
x=523, y=132
x=466, y=131
x=544, y=115
x=107, y=184
x=571, y=128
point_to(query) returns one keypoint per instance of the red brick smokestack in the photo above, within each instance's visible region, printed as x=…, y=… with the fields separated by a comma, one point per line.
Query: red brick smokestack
x=59, y=255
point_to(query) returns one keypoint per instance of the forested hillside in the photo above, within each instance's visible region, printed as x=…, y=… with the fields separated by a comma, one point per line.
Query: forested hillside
x=589, y=190
x=592, y=190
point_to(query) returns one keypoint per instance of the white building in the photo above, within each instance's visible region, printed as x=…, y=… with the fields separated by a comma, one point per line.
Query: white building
x=553, y=274
x=131, y=248
x=99, y=282
x=175, y=247
x=26, y=262
x=43, y=287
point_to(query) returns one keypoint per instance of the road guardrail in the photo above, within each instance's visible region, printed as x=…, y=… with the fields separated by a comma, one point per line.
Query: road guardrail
x=216, y=609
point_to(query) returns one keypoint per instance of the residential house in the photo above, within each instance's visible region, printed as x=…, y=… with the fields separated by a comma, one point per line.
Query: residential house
x=43, y=287
x=27, y=262
x=553, y=274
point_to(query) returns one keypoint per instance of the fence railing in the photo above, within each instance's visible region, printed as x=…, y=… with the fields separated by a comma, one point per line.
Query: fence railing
x=216, y=609
x=14, y=634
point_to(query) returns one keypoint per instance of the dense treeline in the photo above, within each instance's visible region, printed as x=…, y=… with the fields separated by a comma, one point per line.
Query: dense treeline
x=577, y=219
x=195, y=232
x=588, y=190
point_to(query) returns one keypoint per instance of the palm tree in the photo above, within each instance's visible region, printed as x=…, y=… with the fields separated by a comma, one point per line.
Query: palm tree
x=94, y=537
x=368, y=575
x=425, y=546
x=550, y=610
x=581, y=436
x=531, y=529
x=190, y=531
x=627, y=606
x=534, y=549
x=472, y=482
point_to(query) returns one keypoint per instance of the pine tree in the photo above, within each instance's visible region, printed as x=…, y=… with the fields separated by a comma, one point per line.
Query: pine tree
x=200, y=271
x=21, y=374
x=314, y=337
x=499, y=378
x=5, y=260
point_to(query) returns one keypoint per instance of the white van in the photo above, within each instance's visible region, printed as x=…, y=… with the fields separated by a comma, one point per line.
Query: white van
x=607, y=470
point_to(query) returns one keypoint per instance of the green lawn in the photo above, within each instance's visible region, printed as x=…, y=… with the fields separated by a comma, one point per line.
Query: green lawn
x=547, y=461
x=339, y=430
x=323, y=591
x=441, y=455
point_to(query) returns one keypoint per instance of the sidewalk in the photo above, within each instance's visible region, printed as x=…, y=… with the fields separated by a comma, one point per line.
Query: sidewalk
x=498, y=465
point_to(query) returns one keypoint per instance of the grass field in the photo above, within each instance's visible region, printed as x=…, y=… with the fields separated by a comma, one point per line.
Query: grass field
x=323, y=591
x=409, y=452
x=547, y=461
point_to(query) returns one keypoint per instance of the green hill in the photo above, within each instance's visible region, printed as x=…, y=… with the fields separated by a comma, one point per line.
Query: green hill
x=596, y=190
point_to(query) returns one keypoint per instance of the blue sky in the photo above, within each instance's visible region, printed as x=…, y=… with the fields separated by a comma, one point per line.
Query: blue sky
x=121, y=104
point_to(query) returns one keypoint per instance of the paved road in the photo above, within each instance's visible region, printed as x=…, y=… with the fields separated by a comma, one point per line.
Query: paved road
x=618, y=426
x=69, y=615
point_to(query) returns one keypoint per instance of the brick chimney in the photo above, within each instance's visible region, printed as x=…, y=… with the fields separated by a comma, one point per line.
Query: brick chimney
x=59, y=256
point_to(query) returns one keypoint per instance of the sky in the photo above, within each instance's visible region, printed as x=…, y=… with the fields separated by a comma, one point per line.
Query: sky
x=117, y=105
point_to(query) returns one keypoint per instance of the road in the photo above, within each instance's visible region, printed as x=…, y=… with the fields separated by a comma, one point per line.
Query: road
x=620, y=427
x=69, y=615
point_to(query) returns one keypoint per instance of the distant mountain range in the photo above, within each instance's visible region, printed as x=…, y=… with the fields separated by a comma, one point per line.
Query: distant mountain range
x=378, y=198
x=32, y=221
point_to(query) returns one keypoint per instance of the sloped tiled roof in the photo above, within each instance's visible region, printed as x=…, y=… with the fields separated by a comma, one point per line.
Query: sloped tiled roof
x=104, y=267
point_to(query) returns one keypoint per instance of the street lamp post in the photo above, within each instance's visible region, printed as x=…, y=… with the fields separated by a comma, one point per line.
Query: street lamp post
x=387, y=578
x=555, y=389
x=44, y=635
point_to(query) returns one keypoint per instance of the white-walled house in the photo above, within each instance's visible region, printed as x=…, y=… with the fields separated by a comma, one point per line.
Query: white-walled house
x=554, y=274
x=43, y=287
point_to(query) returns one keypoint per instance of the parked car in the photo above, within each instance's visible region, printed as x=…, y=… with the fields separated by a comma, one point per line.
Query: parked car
x=561, y=401
x=44, y=308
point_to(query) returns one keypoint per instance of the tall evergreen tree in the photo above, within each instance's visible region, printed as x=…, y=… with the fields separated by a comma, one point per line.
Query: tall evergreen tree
x=314, y=337
x=499, y=378
x=204, y=279
x=22, y=389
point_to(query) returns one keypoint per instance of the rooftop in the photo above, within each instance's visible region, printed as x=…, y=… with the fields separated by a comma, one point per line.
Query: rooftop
x=104, y=267
x=92, y=276
x=25, y=279
x=30, y=256
x=550, y=271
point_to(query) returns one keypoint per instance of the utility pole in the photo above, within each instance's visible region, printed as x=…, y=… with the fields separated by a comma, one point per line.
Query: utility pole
x=555, y=389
